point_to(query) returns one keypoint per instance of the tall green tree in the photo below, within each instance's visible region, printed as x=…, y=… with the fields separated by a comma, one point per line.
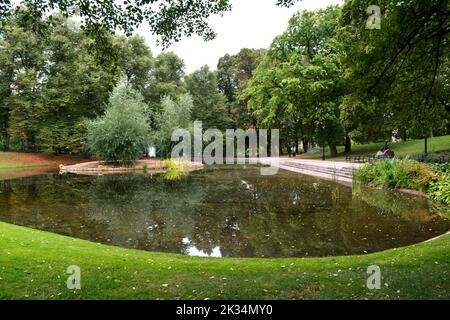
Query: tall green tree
x=166, y=79
x=50, y=83
x=24, y=61
x=135, y=60
x=210, y=105
x=298, y=84
x=75, y=89
x=401, y=68
x=175, y=114
x=233, y=74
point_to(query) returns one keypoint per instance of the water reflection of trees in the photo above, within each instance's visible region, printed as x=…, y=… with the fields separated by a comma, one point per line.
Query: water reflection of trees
x=240, y=211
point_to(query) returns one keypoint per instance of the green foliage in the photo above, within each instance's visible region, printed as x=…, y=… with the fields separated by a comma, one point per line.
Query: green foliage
x=398, y=74
x=63, y=138
x=167, y=19
x=297, y=86
x=166, y=80
x=396, y=174
x=135, y=60
x=440, y=189
x=122, y=134
x=50, y=83
x=233, y=75
x=175, y=170
x=175, y=114
x=210, y=105
x=440, y=167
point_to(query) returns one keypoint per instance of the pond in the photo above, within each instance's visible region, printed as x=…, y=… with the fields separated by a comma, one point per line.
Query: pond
x=228, y=211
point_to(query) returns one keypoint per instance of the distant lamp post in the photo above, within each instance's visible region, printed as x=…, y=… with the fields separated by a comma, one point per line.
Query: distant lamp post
x=425, y=157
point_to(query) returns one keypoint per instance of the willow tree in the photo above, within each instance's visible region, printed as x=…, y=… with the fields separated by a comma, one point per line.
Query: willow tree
x=122, y=134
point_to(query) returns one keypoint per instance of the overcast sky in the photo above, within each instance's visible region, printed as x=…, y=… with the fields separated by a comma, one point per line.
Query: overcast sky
x=250, y=24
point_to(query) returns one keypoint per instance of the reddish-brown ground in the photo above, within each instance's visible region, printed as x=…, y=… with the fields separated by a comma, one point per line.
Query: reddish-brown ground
x=16, y=165
x=38, y=159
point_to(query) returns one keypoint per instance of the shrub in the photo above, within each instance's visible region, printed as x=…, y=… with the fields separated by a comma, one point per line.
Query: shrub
x=396, y=173
x=175, y=170
x=440, y=167
x=121, y=135
x=440, y=189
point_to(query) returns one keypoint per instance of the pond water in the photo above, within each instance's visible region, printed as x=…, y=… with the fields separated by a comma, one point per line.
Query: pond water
x=228, y=211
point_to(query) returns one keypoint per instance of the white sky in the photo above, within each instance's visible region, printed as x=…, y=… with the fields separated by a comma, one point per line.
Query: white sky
x=250, y=24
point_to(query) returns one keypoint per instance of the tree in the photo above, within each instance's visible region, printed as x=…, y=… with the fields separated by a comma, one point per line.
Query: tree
x=176, y=114
x=401, y=67
x=135, y=60
x=210, y=104
x=23, y=64
x=50, y=84
x=121, y=135
x=234, y=73
x=166, y=79
x=75, y=89
x=298, y=83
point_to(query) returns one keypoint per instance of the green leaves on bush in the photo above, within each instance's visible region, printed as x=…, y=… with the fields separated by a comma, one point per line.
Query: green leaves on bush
x=122, y=134
x=175, y=170
x=396, y=174
x=410, y=174
x=440, y=189
x=440, y=167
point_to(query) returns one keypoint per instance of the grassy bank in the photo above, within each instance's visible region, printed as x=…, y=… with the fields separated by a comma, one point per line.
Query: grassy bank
x=33, y=265
x=401, y=149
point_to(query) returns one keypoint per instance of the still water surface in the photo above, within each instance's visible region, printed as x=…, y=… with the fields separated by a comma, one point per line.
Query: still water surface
x=228, y=211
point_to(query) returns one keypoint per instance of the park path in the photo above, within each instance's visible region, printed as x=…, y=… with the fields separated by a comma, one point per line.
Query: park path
x=338, y=171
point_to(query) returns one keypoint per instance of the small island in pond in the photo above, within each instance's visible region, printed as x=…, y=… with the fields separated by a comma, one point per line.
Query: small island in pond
x=98, y=167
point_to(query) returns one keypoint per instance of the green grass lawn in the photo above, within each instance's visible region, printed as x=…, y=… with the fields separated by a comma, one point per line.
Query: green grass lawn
x=402, y=149
x=33, y=265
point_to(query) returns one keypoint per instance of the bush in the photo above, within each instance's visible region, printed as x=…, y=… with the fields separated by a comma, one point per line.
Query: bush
x=121, y=135
x=440, y=189
x=440, y=167
x=396, y=174
x=175, y=170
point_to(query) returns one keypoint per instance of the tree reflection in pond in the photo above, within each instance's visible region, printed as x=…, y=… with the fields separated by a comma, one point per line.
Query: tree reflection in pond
x=227, y=211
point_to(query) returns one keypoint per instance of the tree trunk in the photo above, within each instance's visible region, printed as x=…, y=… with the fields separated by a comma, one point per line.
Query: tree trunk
x=5, y=142
x=297, y=151
x=348, y=144
x=333, y=150
x=305, y=143
x=5, y=134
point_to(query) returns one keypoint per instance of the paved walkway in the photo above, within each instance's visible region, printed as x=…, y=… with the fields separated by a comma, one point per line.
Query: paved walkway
x=341, y=172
